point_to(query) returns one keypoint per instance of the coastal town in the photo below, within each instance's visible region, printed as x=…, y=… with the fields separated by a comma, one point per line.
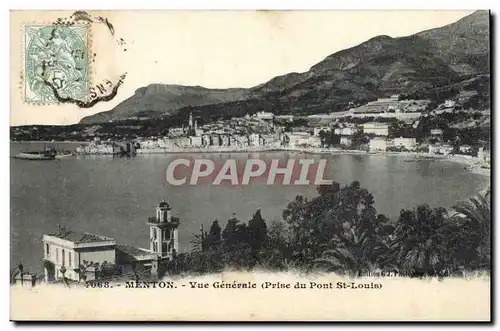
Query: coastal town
x=387, y=125
x=396, y=114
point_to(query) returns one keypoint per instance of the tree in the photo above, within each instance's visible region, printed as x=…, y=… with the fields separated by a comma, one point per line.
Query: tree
x=257, y=230
x=400, y=129
x=359, y=139
x=229, y=234
x=419, y=240
x=21, y=272
x=63, y=272
x=472, y=247
x=339, y=218
x=277, y=249
x=82, y=272
x=237, y=251
x=214, y=238
x=297, y=215
x=361, y=244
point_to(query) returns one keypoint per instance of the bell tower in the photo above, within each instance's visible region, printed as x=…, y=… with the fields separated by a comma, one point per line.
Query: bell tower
x=163, y=232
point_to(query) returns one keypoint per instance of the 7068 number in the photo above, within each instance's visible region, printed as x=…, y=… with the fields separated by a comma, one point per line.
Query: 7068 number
x=92, y=284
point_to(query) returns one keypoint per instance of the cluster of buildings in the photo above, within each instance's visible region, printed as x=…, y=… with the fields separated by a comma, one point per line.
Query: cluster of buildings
x=80, y=256
x=107, y=147
x=259, y=130
x=266, y=130
x=380, y=144
x=249, y=131
x=209, y=140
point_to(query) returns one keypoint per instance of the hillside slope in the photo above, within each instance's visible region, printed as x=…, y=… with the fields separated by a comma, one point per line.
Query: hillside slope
x=378, y=67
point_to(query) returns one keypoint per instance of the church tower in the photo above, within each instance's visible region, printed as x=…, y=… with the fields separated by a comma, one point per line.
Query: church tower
x=163, y=232
x=191, y=126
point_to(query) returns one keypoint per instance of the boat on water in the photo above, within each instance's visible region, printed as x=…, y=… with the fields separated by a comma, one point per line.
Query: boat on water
x=46, y=154
x=41, y=155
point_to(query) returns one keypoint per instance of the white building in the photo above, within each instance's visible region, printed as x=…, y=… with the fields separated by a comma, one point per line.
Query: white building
x=378, y=145
x=346, y=131
x=446, y=149
x=262, y=115
x=436, y=132
x=225, y=140
x=239, y=140
x=254, y=139
x=66, y=250
x=297, y=138
x=346, y=141
x=484, y=156
x=175, y=132
x=196, y=141
x=80, y=256
x=309, y=141
x=288, y=118
x=349, y=131
x=465, y=149
x=378, y=129
x=407, y=143
x=440, y=149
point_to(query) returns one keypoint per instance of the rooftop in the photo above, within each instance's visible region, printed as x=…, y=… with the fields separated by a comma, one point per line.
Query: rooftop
x=164, y=204
x=131, y=250
x=375, y=124
x=80, y=237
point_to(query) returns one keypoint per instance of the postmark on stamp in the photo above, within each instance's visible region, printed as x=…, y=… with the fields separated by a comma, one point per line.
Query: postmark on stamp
x=56, y=63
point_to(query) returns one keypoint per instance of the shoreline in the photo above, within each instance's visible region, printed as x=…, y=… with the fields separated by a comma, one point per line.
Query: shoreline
x=472, y=164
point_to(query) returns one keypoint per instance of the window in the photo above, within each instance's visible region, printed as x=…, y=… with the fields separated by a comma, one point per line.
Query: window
x=154, y=234
x=57, y=254
x=47, y=249
x=63, y=257
x=69, y=259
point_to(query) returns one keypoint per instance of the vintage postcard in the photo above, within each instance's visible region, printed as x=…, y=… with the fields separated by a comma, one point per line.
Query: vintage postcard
x=268, y=165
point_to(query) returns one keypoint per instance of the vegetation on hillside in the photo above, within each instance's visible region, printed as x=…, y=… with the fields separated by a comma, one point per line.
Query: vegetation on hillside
x=340, y=230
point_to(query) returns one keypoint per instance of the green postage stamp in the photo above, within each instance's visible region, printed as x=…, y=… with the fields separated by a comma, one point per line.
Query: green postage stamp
x=56, y=63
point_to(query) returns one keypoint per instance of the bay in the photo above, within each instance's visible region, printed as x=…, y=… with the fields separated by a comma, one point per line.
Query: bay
x=114, y=196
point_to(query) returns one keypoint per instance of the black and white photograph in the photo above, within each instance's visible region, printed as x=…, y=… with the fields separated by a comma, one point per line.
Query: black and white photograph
x=268, y=156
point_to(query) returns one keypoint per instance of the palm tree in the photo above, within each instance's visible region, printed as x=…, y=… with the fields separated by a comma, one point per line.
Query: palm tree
x=63, y=272
x=350, y=253
x=418, y=242
x=82, y=272
x=21, y=271
x=473, y=218
x=360, y=247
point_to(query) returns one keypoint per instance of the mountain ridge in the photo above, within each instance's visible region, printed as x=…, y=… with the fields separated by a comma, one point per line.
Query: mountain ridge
x=379, y=66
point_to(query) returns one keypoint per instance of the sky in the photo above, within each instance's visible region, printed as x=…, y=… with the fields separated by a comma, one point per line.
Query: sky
x=214, y=49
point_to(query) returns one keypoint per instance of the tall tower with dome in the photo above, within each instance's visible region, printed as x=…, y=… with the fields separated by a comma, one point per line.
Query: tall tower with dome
x=163, y=232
